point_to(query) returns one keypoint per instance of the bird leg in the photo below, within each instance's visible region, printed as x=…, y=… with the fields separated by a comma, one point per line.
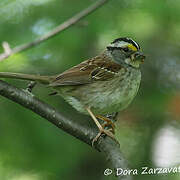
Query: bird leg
x=101, y=129
x=107, y=123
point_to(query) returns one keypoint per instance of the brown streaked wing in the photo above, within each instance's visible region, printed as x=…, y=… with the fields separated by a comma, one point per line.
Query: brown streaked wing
x=95, y=69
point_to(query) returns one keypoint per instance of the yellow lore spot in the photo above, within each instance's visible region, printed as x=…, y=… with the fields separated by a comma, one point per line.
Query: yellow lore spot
x=132, y=47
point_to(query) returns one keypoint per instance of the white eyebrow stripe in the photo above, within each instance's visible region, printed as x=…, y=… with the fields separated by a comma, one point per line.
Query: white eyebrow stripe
x=123, y=44
x=119, y=44
x=137, y=45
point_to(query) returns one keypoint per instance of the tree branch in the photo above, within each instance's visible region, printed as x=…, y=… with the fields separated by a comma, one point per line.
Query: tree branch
x=65, y=25
x=83, y=132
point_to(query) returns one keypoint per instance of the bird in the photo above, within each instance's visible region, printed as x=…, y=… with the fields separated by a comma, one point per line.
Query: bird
x=101, y=85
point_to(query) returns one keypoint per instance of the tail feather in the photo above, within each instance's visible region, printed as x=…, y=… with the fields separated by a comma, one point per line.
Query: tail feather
x=31, y=77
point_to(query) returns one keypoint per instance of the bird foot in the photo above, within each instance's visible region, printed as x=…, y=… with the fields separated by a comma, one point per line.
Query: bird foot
x=100, y=127
x=107, y=123
x=103, y=131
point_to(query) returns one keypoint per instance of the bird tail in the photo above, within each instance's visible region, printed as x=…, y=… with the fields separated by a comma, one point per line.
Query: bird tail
x=31, y=77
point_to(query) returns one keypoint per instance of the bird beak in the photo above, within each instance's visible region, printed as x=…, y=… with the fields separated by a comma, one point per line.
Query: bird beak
x=139, y=56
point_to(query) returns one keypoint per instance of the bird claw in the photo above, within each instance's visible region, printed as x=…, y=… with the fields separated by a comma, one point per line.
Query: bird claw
x=103, y=131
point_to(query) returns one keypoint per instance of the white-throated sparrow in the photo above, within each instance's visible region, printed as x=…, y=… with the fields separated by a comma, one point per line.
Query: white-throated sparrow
x=101, y=85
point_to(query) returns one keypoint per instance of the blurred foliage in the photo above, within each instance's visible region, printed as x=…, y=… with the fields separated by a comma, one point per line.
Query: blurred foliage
x=33, y=149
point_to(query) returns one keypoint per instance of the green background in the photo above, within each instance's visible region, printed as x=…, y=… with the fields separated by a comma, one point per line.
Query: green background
x=148, y=130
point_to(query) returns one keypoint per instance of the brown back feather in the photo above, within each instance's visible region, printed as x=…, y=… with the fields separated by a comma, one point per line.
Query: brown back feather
x=99, y=68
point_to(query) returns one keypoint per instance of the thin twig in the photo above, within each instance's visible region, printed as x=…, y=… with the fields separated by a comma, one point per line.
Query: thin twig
x=84, y=132
x=65, y=25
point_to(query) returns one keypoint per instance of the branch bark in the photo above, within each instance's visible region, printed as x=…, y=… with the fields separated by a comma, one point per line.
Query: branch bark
x=65, y=25
x=109, y=147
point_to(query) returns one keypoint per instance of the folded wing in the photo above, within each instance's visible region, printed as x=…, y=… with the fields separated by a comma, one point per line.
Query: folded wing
x=95, y=69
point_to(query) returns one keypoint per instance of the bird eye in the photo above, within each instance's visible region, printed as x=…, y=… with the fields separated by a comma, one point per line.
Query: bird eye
x=126, y=49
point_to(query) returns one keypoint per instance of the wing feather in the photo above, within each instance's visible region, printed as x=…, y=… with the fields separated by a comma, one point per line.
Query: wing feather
x=95, y=69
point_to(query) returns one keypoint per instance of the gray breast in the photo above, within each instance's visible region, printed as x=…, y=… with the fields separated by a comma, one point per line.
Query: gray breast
x=114, y=95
